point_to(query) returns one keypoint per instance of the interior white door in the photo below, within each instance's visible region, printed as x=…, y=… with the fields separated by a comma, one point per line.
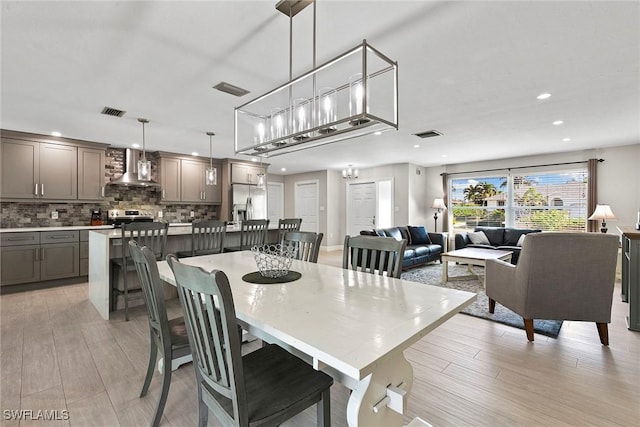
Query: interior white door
x=362, y=207
x=306, y=205
x=275, y=201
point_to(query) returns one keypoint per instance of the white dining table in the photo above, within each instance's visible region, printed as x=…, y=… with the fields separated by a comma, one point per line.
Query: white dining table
x=354, y=326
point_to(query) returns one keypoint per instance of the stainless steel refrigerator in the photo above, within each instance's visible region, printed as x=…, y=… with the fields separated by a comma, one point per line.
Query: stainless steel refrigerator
x=248, y=202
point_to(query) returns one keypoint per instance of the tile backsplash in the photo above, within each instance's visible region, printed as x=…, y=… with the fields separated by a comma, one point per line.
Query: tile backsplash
x=30, y=214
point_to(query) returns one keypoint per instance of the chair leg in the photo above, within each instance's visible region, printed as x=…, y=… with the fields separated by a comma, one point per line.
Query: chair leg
x=153, y=353
x=492, y=305
x=166, y=382
x=324, y=409
x=203, y=409
x=528, y=326
x=603, y=331
x=126, y=294
x=114, y=285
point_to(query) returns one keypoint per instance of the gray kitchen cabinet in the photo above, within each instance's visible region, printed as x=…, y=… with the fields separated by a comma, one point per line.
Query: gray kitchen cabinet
x=38, y=256
x=242, y=173
x=170, y=173
x=84, y=252
x=91, y=168
x=32, y=170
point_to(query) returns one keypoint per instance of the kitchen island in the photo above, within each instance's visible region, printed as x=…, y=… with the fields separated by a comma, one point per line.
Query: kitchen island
x=105, y=245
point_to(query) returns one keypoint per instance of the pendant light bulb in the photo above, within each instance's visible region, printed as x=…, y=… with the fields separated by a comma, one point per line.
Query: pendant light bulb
x=211, y=174
x=144, y=165
x=261, y=180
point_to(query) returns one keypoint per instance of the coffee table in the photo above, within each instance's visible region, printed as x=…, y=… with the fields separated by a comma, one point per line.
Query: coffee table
x=471, y=257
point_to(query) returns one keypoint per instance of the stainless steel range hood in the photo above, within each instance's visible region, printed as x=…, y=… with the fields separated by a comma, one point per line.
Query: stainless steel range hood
x=130, y=175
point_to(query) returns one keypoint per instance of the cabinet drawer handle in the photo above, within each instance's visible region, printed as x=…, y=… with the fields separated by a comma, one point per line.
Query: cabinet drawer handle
x=42, y=189
x=18, y=239
x=36, y=190
x=61, y=237
x=163, y=196
x=101, y=191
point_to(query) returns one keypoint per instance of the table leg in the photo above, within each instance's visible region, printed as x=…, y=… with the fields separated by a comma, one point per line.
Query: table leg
x=393, y=378
x=445, y=270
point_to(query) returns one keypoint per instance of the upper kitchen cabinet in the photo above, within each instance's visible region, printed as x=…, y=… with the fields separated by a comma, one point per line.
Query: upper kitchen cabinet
x=91, y=174
x=170, y=172
x=32, y=170
x=184, y=180
x=242, y=173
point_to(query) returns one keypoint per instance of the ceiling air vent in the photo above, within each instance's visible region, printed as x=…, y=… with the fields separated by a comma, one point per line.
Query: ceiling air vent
x=109, y=111
x=229, y=88
x=428, y=134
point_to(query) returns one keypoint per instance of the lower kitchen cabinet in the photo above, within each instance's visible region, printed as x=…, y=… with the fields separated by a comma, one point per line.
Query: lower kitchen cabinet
x=38, y=256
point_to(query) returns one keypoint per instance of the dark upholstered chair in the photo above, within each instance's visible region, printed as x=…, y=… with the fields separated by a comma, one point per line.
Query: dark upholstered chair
x=560, y=276
x=207, y=237
x=374, y=254
x=150, y=234
x=252, y=232
x=306, y=244
x=265, y=387
x=168, y=336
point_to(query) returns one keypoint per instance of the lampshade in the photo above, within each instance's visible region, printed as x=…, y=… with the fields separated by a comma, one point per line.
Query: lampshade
x=602, y=212
x=439, y=204
x=211, y=174
x=350, y=173
x=144, y=166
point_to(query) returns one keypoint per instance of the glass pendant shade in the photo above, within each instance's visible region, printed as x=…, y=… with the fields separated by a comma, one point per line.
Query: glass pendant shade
x=144, y=165
x=352, y=95
x=261, y=183
x=211, y=173
x=350, y=173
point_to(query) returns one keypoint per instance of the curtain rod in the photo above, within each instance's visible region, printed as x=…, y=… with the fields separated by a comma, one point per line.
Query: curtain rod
x=519, y=167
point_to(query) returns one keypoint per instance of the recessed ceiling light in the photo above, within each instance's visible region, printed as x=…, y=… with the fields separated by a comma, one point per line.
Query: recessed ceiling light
x=195, y=153
x=135, y=145
x=377, y=133
x=544, y=95
x=558, y=122
x=444, y=155
x=283, y=169
x=56, y=133
x=416, y=146
x=566, y=139
x=254, y=160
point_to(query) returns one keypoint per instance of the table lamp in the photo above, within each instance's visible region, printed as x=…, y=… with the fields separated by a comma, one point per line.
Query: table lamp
x=604, y=213
x=439, y=206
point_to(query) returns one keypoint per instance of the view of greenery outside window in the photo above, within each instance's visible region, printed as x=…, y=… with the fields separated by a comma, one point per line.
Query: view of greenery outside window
x=550, y=201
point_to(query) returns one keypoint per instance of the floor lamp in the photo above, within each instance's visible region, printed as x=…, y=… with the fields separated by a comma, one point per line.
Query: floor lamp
x=439, y=206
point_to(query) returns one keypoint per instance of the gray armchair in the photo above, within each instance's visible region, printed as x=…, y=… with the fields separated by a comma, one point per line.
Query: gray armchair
x=560, y=276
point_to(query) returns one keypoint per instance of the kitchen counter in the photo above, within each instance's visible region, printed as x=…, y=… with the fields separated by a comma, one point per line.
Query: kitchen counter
x=61, y=228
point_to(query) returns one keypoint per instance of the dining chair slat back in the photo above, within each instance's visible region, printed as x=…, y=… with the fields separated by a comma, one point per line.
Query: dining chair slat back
x=253, y=232
x=153, y=235
x=207, y=237
x=373, y=254
x=305, y=243
x=288, y=224
x=240, y=390
x=167, y=336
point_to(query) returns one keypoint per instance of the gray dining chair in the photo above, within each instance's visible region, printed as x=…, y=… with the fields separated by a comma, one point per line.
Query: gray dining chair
x=252, y=232
x=207, y=237
x=373, y=254
x=167, y=336
x=288, y=224
x=265, y=387
x=305, y=243
x=150, y=234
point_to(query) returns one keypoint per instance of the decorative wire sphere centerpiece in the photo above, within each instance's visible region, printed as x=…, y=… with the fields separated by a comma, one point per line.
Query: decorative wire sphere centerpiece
x=273, y=260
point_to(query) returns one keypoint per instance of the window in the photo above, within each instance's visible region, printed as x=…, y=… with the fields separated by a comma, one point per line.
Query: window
x=550, y=201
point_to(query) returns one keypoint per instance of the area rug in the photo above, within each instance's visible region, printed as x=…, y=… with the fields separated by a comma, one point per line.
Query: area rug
x=432, y=275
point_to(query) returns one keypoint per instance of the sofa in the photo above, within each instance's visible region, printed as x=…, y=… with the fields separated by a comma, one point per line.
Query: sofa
x=507, y=239
x=422, y=246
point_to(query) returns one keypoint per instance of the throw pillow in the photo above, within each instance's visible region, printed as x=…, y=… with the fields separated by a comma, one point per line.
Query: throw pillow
x=478, y=238
x=521, y=239
x=418, y=235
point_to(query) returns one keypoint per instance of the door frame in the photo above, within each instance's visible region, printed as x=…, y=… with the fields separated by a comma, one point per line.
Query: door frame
x=296, y=199
x=377, y=182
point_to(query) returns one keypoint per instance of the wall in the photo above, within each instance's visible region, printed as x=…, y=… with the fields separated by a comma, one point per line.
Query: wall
x=30, y=214
x=618, y=177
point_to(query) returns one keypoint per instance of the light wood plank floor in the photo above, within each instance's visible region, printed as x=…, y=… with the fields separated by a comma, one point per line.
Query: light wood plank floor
x=57, y=354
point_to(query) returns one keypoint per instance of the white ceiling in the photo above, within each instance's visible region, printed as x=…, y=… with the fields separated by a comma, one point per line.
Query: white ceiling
x=471, y=70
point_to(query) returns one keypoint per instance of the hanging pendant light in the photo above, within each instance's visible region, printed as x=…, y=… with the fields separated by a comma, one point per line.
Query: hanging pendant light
x=261, y=177
x=211, y=177
x=144, y=165
x=349, y=173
